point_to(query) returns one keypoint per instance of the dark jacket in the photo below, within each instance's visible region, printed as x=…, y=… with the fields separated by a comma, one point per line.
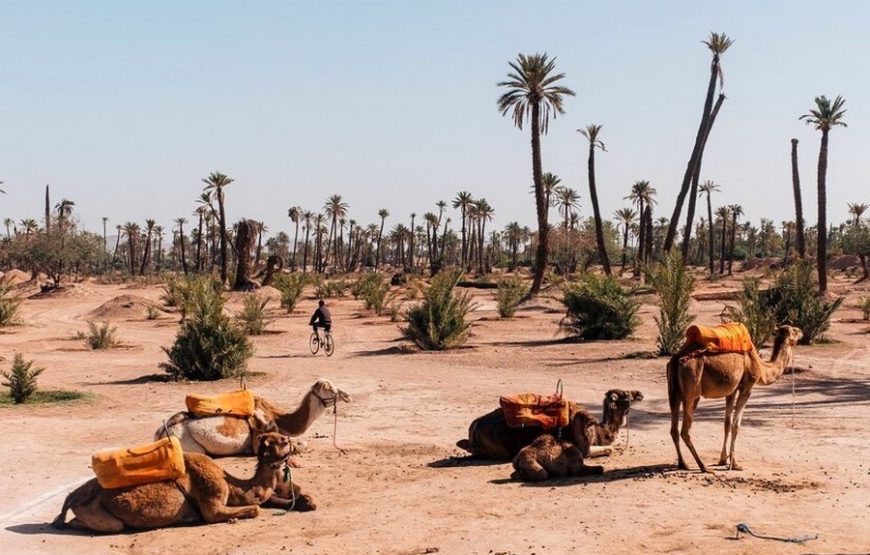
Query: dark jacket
x=321, y=315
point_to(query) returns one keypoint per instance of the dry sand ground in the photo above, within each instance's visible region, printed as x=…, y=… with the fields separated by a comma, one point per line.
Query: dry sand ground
x=386, y=495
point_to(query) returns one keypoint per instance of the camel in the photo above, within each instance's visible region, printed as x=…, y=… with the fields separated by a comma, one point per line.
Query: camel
x=547, y=457
x=205, y=489
x=490, y=437
x=717, y=375
x=233, y=435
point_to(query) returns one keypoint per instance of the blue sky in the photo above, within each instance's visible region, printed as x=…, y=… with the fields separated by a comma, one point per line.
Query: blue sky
x=124, y=106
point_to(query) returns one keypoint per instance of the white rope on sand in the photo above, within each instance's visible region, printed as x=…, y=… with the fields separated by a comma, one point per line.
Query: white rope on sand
x=42, y=499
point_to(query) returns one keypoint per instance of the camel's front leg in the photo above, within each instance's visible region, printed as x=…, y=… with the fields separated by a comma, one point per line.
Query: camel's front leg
x=738, y=416
x=600, y=451
x=729, y=409
x=215, y=511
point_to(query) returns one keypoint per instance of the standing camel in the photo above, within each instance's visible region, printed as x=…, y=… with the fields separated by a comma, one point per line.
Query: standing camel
x=717, y=375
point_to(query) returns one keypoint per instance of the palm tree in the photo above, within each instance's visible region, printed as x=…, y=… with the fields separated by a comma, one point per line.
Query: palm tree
x=798, y=203
x=736, y=212
x=567, y=199
x=591, y=133
x=823, y=117
x=551, y=185
x=383, y=214
x=411, y=241
x=643, y=194
x=462, y=201
x=723, y=214
x=216, y=182
x=295, y=214
x=625, y=217
x=8, y=222
x=118, y=230
x=787, y=227
x=158, y=232
x=149, y=229
x=64, y=210
x=485, y=213
x=533, y=94
x=180, y=223
x=857, y=210
x=718, y=43
x=335, y=209
x=203, y=212
x=105, y=240
x=131, y=229
x=306, y=216
x=707, y=188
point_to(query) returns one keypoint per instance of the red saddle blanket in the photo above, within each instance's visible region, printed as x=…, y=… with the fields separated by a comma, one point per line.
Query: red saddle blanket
x=732, y=338
x=532, y=409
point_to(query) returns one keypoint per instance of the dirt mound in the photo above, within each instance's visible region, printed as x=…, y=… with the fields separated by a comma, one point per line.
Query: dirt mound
x=124, y=307
x=14, y=277
x=70, y=291
x=844, y=262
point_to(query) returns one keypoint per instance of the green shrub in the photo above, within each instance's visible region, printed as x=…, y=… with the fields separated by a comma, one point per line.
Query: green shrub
x=439, y=322
x=152, y=313
x=864, y=305
x=209, y=345
x=794, y=300
x=9, y=307
x=376, y=294
x=599, y=308
x=101, y=337
x=510, y=293
x=173, y=291
x=753, y=312
x=329, y=288
x=21, y=379
x=291, y=287
x=674, y=286
x=253, y=318
x=365, y=283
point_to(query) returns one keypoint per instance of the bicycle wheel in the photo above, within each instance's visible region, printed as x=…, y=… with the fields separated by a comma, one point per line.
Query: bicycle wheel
x=314, y=343
x=329, y=345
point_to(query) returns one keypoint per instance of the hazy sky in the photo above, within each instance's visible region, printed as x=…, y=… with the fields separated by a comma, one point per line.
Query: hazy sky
x=124, y=106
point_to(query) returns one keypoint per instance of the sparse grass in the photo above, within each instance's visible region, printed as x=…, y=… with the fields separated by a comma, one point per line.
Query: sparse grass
x=47, y=397
x=674, y=285
x=101, y=336
x=330, y=288
x=173, y=291
x=21, y=379
x=291, y=287
x=376, y=293
x=439, y=322
x=864, y=305
x=9, y=307
x=599, y=308
x=365, y=283
x=510, y=292
x=253, y=317
x=152, y=313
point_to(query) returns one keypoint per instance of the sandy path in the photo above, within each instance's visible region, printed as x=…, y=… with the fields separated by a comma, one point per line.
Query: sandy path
x=387, y=496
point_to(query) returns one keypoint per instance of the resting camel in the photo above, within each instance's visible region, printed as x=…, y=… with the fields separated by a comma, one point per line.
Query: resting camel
x=204, y=490
x=490, y=437
x=547, y=457
x=233, y=435
x=717, y=375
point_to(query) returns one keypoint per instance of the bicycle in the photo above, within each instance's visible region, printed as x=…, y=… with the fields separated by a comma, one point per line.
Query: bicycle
x=316, y=342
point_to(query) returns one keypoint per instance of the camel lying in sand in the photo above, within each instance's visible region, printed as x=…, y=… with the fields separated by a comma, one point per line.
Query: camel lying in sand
x=205, y=490
x=234, y=435
x=547, y=457
x=490, y=437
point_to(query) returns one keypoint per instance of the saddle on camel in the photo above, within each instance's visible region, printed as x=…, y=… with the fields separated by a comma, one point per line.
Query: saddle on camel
x=726, y=338
x=235, y=403
x=531, y=409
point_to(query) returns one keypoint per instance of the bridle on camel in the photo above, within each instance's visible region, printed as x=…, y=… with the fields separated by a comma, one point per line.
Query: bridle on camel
x=326, y=402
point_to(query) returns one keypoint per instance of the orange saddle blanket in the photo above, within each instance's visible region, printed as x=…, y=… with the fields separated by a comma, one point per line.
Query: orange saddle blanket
x=732, y=337
x=235, y=403
x=532, y=409
x=142, y=464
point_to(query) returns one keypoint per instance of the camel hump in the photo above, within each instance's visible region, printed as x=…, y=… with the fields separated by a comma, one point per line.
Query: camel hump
x=174, y=420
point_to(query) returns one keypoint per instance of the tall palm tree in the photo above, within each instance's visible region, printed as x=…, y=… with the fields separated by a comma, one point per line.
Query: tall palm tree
x=383, y=214
x=64, y=210
x=131, y=229
x=462, y=201
x=798, y=202
x=857, y=209
x=105, y=242
x=533, y=94
x=306, y=217
x=551, y=182
x=216, y=182
x=149, y=230
x=643, y=194
x=118, y=230
x=8, y=222
x=335, y=209
x=625, y=217
x=295, y=214
x=567, y=199
x=736, y=212
x=203, y=211
x=158, y=233
x=180, y=223
x=591, y=133
x=718, y=44
x=723, y=214
x=485, y=213
x=824, y=117
x=707, y=188
x=411, y=241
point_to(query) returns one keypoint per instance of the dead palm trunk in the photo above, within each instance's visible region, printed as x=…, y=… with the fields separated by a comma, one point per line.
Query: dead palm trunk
x=822, y=239
x=798, y=202
x=599, y=228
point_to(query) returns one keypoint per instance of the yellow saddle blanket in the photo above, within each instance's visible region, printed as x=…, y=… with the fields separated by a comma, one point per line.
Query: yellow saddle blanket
x=236, y=403
x=732, y=337
x=142, y=464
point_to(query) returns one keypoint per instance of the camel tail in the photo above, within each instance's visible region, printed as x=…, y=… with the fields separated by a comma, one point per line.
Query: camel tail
x=82, y=495
x=60, y=521
x=673, y=382
x=175, y=419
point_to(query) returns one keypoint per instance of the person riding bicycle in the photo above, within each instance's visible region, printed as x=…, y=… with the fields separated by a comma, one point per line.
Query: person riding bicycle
x=321, y=318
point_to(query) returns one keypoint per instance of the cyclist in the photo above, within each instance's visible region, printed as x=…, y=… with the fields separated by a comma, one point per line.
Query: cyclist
x=321, y=318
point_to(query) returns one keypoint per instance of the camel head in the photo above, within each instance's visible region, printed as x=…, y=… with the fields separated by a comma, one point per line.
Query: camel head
x=274, y=449
x=328, y=394
x=617, y=403
x=790, y=334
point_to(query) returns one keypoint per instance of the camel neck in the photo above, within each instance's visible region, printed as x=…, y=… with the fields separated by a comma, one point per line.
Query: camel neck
x=297, y=422
x=772, y=369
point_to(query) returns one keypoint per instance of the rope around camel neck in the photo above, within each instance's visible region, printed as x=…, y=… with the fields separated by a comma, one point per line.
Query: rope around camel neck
x=335, y=428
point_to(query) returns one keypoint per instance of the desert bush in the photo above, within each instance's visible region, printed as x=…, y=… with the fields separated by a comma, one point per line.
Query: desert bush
x=101, y=336
x=329, y=288
x=21, y=379
x=439, y=322
x=209, y=345
x=173, y=291
x=151, y=313
x=753, y=312
x=395, y=311
x=376, y=294
x=864, y=305
x=253, y=317
x=510, y=293
x=9, y=307
x=291, y=287
x=674, y=286
x=365, y=283
x=599, y=308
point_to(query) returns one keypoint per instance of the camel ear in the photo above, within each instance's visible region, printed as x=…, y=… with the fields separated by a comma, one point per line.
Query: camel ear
x=270, y=427
x=614, y=396
x=265, y=440
x=636, y=395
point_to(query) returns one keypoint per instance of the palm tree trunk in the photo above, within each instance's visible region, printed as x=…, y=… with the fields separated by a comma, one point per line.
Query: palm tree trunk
x=464, y=244
x=47, y=211
x=599, y=228
x=540, y=206
x=146, y=255
x=223, y=229
x=787, y=245
x=624, y=249
x=183, y=253
x=696, y=151
x=641, y=240
x=798, y=202
x=131, y=243
x=378, y=251
x=295, y=244
x=722, y=248
x=305, y=251
x=822, y=240
x=731, y=248
x=712, y=234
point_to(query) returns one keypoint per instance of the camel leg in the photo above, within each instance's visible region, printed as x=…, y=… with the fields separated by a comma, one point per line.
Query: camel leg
x=675, y=434
x=729, y=408
x=215, y=511
x=689, y=407
x=599, y=451
x=738, y=416
x=532, y=472
x=93, y=516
